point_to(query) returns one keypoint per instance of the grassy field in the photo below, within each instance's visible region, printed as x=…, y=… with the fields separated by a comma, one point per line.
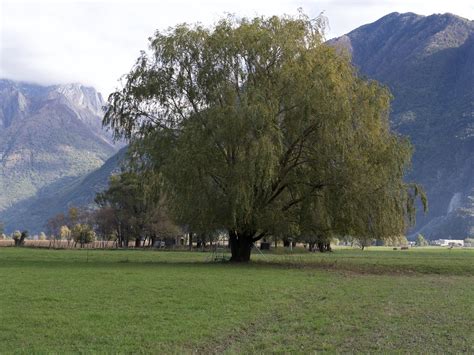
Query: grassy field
x=379, y=300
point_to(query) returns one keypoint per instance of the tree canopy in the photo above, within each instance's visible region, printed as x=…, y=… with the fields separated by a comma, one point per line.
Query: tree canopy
x=132, y=208
x=257, y=127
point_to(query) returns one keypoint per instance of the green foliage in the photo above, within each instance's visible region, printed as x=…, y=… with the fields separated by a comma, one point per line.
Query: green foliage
x=132, y=208
x=19, y=237
x=125, y=202
x=73, y=216
x=83, y=234
x=257, y=127
x=16, y=235
x=65, y=233
x=421, y=241
x=418, y=69
x=396, y=241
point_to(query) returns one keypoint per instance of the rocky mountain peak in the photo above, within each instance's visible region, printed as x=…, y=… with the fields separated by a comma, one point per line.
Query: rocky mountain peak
x=48, y=134
x=80, y=96
x=13, y=105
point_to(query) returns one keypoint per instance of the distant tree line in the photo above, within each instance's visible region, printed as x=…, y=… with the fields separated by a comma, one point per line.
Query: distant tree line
x=76, y=227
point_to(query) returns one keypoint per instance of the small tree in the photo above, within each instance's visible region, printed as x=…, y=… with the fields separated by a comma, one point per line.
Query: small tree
x=106, y=224
x=65, y=234
x=83, y=234
x=123, y=206
x=420, y=241
x=132, y=208
x=73, y=216
x=19, y=238
x=54, y=224
x=160, y=226
x=16, y=237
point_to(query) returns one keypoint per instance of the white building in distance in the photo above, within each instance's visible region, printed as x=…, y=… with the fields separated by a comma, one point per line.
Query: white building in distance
x=448, y=242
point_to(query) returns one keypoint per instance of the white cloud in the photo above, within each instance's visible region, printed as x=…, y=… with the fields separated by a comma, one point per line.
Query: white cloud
x=97, y=42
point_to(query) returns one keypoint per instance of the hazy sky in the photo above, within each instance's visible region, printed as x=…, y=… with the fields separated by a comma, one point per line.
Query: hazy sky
x=95, y=42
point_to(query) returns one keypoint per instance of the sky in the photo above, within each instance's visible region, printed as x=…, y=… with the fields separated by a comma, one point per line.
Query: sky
x=96, y=42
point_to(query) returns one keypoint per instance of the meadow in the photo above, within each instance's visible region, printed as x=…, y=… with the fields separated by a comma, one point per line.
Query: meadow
x=377, y=300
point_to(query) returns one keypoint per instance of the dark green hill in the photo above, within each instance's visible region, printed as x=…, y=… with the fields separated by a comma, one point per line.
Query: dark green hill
x=428, y=64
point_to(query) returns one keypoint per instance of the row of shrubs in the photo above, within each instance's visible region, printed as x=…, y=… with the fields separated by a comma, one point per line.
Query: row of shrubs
x=79, y=233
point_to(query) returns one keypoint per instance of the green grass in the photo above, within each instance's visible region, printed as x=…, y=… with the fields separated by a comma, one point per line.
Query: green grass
x=175, y=302
x=426, y=260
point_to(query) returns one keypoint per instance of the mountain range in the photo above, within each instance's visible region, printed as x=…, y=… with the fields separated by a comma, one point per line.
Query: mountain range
x=427, y=62
x=49, y=137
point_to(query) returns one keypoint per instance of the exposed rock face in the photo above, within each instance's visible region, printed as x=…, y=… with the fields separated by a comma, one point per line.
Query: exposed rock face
x=428, y=64
x=47, y=135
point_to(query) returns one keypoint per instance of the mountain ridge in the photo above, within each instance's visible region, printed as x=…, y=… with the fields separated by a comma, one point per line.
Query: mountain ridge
x=48, y=134
x=426, y=62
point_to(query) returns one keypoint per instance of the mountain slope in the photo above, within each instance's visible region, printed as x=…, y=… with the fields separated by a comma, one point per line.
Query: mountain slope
x=32, y=214
x=427, y=62
x=48, y=135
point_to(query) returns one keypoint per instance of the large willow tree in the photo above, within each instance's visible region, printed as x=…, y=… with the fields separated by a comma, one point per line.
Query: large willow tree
x=257, y=127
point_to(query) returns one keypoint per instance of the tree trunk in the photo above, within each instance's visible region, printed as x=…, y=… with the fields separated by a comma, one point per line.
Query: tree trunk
x=137, y=242
x=240, y=246
x=321, y=247
x=190, y=240
x=324, y=247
